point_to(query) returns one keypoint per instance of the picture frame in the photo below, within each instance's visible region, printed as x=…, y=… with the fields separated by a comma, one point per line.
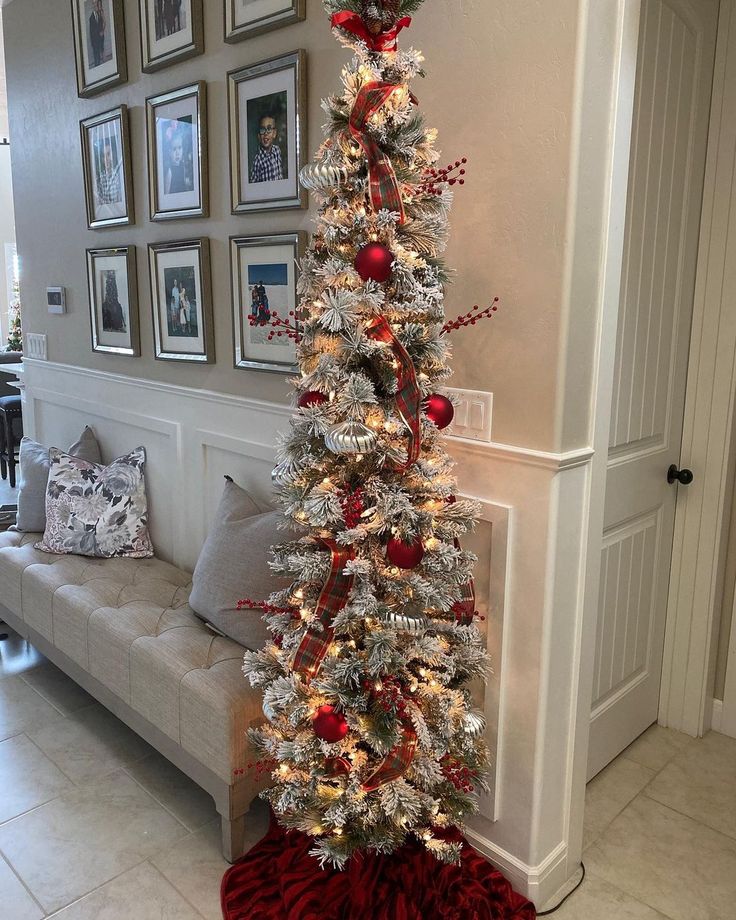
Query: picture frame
x=99, y=45
x=181, y=301
x=170, y=32
x=107, y=170
x=246, y=18
x=268, y=134
x=264, y=271
x=113, y=300
x=176, y=129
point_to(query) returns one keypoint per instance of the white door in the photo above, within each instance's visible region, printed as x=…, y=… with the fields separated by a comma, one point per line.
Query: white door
x=671, y=115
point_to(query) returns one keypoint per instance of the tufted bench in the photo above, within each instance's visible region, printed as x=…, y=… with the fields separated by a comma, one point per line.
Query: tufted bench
x=123, y=630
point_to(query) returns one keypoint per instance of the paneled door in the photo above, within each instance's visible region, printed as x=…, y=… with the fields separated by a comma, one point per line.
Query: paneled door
x=669, y=139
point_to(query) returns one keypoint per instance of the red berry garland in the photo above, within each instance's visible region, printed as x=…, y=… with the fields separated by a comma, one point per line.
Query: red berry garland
x=457, y=773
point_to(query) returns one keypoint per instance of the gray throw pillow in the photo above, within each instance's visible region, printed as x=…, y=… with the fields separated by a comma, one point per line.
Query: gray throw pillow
x=233, y=565
x=34, y=476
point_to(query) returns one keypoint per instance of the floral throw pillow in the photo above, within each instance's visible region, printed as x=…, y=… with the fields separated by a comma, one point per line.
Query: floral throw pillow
x=94, y=510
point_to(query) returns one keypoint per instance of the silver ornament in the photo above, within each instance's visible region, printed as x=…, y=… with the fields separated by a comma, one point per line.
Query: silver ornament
x=350, y=438
x=318, y=176
x=474, y=723
x=406, y=618
x=284, y=472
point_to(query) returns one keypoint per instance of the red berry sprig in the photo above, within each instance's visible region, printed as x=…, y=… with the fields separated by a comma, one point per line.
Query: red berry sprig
x=388, y=694
x=262, y=767
x=248, y=604
x=353, y=506
x=471, y=318
x=434, y=181
x=279, y=326
x=457, y=773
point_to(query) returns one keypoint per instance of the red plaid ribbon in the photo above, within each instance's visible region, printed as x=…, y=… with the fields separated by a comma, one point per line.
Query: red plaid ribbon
x=396, y=763
x=464, y=609
x=408, y=397
x=313, y=647
x=384, y=41
x=384, y=187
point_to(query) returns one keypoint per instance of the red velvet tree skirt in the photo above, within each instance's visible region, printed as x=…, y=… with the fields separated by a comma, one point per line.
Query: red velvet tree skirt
x=279, y=880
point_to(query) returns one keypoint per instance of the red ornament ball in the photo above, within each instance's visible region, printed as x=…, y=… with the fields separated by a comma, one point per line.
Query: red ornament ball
x=439, y=410
x=404, y=555
x=373, y=262
x=311, y=398
x=329, y=725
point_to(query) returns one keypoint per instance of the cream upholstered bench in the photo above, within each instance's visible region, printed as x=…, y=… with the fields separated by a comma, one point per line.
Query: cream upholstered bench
x=122, y=629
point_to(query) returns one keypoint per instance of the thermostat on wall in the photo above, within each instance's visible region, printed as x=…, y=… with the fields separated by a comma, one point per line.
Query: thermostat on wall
x=56, y=299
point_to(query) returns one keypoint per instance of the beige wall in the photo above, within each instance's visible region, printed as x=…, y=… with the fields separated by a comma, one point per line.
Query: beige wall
x=500, y=90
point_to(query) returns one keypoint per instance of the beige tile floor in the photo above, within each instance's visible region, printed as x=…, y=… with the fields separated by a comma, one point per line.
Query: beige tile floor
x=95, y=825
x=660, y=833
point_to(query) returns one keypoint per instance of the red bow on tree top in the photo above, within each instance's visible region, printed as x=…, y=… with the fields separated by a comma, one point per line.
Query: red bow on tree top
x=385, y=40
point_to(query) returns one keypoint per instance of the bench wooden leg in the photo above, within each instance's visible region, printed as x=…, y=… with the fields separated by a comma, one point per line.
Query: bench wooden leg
x=233, y=838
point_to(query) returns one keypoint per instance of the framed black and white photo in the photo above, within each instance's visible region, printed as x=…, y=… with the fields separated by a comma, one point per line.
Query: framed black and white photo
x=99, y=45
x=171, y=31
x=267, y=107
x=245, y=18
x=113, y=300
x=177, y=153
x=107, y=169
x=181, y=299
x=264, y=272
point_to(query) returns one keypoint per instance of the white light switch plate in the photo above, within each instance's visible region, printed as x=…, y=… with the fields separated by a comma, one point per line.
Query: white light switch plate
x=34, y=346
x=473, y=414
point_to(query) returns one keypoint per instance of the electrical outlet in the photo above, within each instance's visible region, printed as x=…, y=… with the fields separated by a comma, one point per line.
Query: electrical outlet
x=473, y=414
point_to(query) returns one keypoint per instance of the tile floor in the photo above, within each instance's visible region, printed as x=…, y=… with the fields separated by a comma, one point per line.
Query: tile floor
x=660, y=833
x=95, y=825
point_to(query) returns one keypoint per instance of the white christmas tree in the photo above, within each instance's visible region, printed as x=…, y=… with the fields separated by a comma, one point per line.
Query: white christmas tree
x=371, y=734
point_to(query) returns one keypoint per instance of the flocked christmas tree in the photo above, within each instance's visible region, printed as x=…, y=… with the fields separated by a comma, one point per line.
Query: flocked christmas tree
x=15, y=331
x=371, y=735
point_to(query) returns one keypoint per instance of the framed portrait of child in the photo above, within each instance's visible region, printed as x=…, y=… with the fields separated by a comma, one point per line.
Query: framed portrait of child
x=113, y=300
x=171, y=31
x=176, y=125
x=267, y=112
x=264, y=273
x=99, y=45
x=181, y=298
x=246, y=18
x=108, y=182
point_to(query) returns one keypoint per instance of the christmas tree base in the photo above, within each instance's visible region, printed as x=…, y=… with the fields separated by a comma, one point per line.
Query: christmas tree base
x=279, y=880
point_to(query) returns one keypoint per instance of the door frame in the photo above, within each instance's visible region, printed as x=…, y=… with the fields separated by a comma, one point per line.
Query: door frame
x=688, y=671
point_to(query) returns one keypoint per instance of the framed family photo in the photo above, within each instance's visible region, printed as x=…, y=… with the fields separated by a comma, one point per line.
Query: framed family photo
x=245, y=18
x=99, y=45
x=267, y=109
x=177, y=153
x=264, y=277
x=181, y=300
x=171, y=31
x=113, y=300
x=107, y=169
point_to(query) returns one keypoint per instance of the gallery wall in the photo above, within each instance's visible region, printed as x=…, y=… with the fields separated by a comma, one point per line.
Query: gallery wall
x=499, y=88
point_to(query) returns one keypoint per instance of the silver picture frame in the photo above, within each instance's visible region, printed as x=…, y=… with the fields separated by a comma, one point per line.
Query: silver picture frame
x=109, y=194
x=177, y=120
x=96, y=71
x=158, y=49
x=115, y=326
x=272, y=14
x=188, y=337
x=274, y=89
x=282, y=254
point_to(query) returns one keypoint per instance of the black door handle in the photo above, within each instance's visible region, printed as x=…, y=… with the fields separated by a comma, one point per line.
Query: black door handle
x=684, y=477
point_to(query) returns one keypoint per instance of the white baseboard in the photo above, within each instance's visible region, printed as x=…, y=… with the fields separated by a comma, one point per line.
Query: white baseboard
x=716, y=717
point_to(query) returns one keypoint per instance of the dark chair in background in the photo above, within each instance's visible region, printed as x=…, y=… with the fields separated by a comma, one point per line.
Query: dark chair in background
x=11, y=432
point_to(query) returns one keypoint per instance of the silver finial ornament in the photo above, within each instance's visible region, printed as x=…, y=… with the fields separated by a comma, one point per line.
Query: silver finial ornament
x=319, y=176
